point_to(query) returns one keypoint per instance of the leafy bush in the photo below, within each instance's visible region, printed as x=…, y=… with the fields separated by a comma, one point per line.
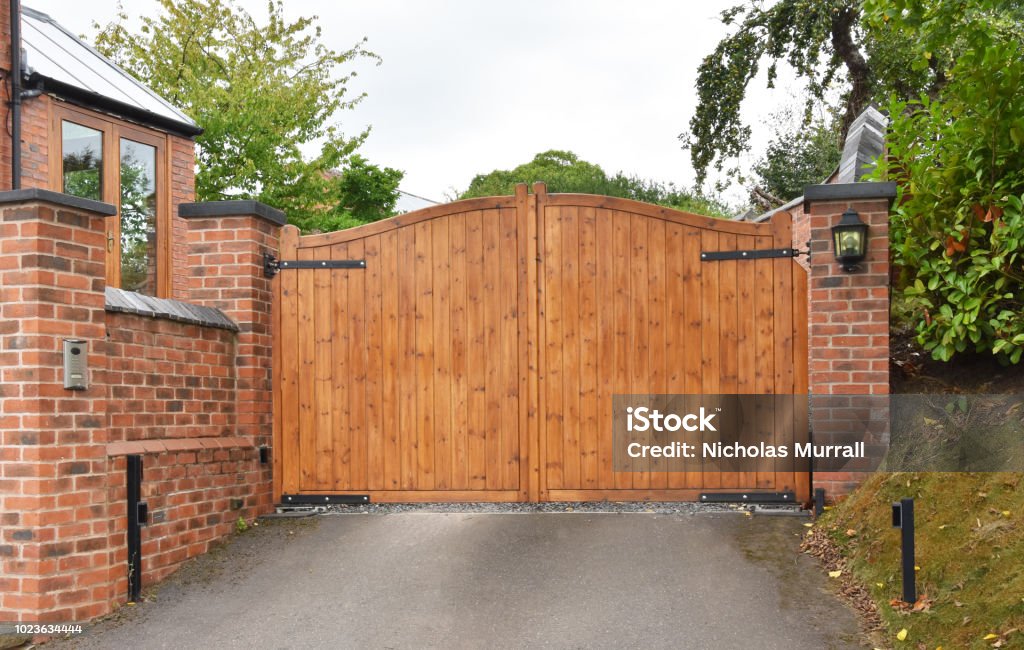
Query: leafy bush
x=957, y=230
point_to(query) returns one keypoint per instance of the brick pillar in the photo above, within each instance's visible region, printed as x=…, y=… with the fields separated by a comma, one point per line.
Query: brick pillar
x=849, y=321
x=54, y=522
x=227, y=243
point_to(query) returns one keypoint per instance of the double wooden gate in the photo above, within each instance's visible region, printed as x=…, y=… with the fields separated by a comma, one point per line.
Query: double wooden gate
x=473, y=355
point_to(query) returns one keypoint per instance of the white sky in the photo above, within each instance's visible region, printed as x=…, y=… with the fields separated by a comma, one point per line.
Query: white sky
x=467, y=86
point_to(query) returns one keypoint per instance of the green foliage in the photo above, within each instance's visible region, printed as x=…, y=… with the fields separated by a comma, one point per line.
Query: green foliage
x=825, y=42
x=797, y=155
x=240, y=525
x=260, y=92
x=957, y=231
x=366, y=191
x=563, y=171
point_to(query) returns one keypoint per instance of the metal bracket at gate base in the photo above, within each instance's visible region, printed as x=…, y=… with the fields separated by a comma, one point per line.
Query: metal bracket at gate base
x=271, y=265
x=712, y=256
x=323, y=499
x=748, y=497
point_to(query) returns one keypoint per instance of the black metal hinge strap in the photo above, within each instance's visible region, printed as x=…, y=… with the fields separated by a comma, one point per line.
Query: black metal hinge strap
x=271, y=265
x=713, y=256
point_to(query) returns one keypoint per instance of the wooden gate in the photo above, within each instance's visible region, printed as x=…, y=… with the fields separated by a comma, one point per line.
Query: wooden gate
x=470, y=351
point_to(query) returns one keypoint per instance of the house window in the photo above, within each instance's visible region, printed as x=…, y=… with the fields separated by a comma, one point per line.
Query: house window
x=123, y=164
x=82, y=161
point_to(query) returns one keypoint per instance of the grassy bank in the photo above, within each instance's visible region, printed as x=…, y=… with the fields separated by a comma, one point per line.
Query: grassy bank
x=970, y=554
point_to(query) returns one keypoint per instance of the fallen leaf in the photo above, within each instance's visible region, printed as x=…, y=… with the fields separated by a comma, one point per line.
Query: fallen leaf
x=902, y=634
x=809, y=525
x=957, y=603
x=983, y=494
x=852, y=533
x=943, y=527
x=1006, y=513
x=834, y=574
x=917, y=568
x=989, y=637
x=880, y=585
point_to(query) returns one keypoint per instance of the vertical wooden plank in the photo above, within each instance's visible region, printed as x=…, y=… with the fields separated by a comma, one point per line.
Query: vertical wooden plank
x=492, y=343
x=570, y=234
x=286, y=351
x=356, y=308
x=526, y=294
x=800, y=370
x=727, y=309
x=341, y=459
x=553, y=425
x=408, y=441
x=675, y=327
x=693, y=320
x=782, y=269
x=656, y=234
x=764, y=353
x=640, y=328
x=374, y=365
x=745, y=342
x=322, y=324
x=622, y=298
x=710, y=339
x=390, y=352
x=424, y=357
x=459, y=344
x=605, y=297
x=441, y=310
x=589, y=428
x=532, y=402
x=509, y=335
x=475, y=368
x=307, y=388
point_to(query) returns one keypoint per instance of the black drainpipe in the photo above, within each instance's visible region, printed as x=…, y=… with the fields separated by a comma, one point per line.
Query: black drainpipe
x=15, y=94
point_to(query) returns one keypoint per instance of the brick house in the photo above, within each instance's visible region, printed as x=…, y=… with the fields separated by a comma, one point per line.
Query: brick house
x=100, y=243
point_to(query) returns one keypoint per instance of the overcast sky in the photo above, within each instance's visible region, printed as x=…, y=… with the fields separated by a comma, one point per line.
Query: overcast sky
x=468, y=86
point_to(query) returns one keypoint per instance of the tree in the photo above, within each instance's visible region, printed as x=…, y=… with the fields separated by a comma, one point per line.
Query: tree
x=563, y=171
x=957, y=231
x=261, y=92
x=798, y=155
x=826, y=43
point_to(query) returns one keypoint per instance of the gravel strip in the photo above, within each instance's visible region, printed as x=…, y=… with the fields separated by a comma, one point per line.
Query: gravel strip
x=673, y=508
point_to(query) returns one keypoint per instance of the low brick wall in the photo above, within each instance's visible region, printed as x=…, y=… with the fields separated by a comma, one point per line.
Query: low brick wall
x=187, y=389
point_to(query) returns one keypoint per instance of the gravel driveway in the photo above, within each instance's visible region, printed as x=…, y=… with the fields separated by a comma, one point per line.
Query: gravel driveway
x=678, y=579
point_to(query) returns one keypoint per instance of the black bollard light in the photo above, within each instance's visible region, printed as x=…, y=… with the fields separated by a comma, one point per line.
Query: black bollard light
x=903, y=518
x=819, y=501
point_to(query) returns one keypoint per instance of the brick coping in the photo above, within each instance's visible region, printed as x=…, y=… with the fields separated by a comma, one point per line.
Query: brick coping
x=161, y=445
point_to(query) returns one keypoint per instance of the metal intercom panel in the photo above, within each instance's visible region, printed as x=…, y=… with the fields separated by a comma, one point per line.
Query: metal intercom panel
x=76, y=364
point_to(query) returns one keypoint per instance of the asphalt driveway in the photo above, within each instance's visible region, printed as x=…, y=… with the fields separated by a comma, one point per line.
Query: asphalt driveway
x=480, y=580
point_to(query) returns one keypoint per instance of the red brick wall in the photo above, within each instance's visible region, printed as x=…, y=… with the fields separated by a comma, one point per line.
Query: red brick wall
x=226, y=272
x=182, y=168
x=194, y=401
x=168, y=379
x=849, y=324
x=53, y=461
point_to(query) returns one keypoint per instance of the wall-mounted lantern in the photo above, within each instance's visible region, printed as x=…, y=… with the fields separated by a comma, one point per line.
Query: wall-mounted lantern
x=850, y=238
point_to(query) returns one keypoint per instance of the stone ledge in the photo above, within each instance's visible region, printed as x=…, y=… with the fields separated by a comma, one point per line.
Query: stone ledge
x=129, y=302
x=848, y=192
x=213, y=209
x=31, y=194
